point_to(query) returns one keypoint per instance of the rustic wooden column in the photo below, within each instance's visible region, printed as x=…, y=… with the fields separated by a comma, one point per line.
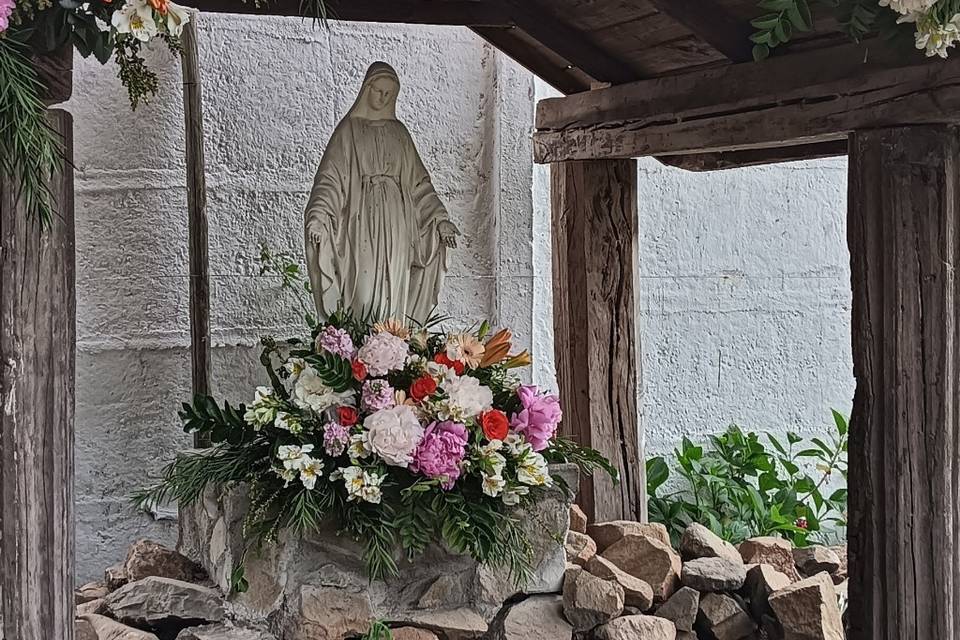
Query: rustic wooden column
x=904, y=234
x=37, y=346
x=594, y=267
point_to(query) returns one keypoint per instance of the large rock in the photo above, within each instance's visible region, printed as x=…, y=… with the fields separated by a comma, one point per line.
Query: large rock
x=164, y=605
x=607, y=533
x=413, y=633
x=776, y=552
x=681, y=608
x=115, y=577
x=580, y=548
x=589, y=601
x=578, y=519
x=537, y=617
x=636, y=628
x=90, y=591
x=93, y=606
x=813, y=560
x=109, y=629
x=223, y=632
x=649, y=559
x=636, y=592
x=699, y=542
x=299, y=581
x=147, y=558
x=713, y=574
x=83, y=630
x=808, y=610
x=724, y=618
x=840, y=574
x=763, y=580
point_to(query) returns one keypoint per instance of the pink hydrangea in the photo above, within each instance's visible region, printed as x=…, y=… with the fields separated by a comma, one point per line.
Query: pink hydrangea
x=335, y=438
x=383, y=353
x=376, y=395
x=6, y=10
x=336, y=341
x=539, y=418
x=441, y=451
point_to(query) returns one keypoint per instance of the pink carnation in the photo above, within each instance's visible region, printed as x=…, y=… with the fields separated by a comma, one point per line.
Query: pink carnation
x=441, y=451
x=538, y=419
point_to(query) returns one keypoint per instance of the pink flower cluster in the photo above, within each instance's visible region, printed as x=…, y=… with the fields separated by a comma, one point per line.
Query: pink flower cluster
x=336, y=341
x=6, y=10
x=376, y=395
x=441, y=451
x=335, y=438
x=538, y=419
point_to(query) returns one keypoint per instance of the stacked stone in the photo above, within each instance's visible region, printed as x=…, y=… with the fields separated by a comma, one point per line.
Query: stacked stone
x=625, y=581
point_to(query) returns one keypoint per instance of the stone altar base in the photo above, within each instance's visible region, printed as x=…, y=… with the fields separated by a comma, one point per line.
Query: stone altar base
x=315, y=588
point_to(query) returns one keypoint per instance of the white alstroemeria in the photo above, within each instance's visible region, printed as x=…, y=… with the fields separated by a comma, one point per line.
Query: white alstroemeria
x=353, y=481
x=310, y=470
x=441, y=373
x=177, y=17
x=359, y=446
x=491, y=447
x=933, y=37
x=295, y=366
x=288, y=475
x=511, y=497
x=906, y=7
x=288, y=422
x=534, y=471
x=293, y=456
x=135, y=18
x=512, y=443
x=493, y=485
x=371, y=488
x=310, y=392
x=263, y=409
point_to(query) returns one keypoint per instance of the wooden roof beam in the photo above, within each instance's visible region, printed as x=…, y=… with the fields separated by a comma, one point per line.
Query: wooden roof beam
x=817, y=96
x=556, y=74
x=713, y=24
x=470, y=13
x=720, y=160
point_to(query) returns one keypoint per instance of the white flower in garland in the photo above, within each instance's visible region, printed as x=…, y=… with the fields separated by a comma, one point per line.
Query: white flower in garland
x=467, y=398
x=493, y=485
x=136, y=18
x=295, y=366
x=361, y=485
x=177, y=17
x=359, y=447
x=310, y=392
x=511, y=497
x=294, y=457
x=906, y=7
x=934, y=37
x=310, y=470
x=288, y=422
x=393, y=434
x=533, y=470
x=263, y=409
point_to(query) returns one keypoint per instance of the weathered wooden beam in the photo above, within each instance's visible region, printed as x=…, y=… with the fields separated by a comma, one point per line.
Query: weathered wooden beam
x=467, y=13
x=37, y=364
x=551, y=69
x=721, y=160
x=594, y=271
x=572, y=45
x=904, y=236
x=197, y=219
x=55, y=72
x=713, y=24
x=817, y=96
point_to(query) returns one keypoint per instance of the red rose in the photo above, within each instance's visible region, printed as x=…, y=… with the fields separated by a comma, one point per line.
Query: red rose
x=359, y=370
x=347, y=416
x=422, y=388
x=495, y=424
x=456, y=365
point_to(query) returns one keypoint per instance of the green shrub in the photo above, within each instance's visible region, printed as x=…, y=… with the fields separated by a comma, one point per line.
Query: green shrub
x=740, y=488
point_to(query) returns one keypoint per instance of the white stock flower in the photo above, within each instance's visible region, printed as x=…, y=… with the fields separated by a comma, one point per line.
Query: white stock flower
x=906, y=7
x=288, y=422
x=383, y=353
x=393, y=434
x=263, y=409
x=467, y=398
x=310, y=392
x=493, y=485
x=310, y=470
x=135, y=18
x=177, y=17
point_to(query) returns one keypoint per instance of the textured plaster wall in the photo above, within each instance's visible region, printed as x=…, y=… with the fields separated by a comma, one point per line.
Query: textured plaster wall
x=273, y=92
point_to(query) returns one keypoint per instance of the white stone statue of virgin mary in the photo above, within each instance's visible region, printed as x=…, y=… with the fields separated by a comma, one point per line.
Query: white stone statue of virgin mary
x=376, y=233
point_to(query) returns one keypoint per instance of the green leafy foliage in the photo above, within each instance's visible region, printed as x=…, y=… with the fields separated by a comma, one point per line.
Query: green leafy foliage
x=740, y=487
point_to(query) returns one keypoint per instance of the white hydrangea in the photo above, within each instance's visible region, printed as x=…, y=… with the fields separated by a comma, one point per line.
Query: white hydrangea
x=467, y=398
x=393, y=434
x=383, y=353
x=310, y=392
x=906, y=7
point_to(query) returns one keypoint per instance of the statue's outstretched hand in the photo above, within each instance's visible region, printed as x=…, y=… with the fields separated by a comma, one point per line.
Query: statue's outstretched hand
x=448, y=234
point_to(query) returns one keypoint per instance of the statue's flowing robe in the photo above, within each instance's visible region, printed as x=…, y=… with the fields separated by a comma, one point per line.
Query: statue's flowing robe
x=381, y=254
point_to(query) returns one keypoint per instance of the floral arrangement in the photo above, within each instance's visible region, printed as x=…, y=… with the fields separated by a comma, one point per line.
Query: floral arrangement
x=933, y=25
x=402, y=435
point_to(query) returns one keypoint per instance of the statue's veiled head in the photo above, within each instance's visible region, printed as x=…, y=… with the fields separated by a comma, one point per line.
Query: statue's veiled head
x=378, y=94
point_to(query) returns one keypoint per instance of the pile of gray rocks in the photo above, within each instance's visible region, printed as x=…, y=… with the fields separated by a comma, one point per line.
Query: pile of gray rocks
x=625, y=581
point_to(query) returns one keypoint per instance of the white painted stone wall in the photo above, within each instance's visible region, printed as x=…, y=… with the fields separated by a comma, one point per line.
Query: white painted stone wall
x=744, y=283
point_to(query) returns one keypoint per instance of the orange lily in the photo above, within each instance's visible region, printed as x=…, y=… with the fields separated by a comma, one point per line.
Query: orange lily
x=496, y=348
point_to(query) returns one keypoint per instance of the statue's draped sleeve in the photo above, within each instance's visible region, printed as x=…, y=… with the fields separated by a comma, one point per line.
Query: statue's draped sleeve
x=326, y=208
x=430, y=255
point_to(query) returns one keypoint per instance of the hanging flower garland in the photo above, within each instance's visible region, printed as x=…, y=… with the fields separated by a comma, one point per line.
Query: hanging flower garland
x=933, y=25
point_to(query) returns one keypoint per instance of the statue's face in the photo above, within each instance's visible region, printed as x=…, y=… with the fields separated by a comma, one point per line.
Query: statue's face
x=381, y=93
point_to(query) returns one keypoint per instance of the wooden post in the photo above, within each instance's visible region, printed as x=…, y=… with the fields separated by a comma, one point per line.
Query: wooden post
x=594, y=266
x=37, y=347
x=197, y=212
x=904, y=234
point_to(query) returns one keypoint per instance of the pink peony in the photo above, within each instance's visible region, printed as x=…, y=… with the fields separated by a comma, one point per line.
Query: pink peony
x=441, y=451
x=538, y=419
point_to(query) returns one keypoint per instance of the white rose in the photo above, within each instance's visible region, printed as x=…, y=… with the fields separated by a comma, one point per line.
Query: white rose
x=383, y=353
x=393, y=434
x=467, y=397
x=310, y=392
